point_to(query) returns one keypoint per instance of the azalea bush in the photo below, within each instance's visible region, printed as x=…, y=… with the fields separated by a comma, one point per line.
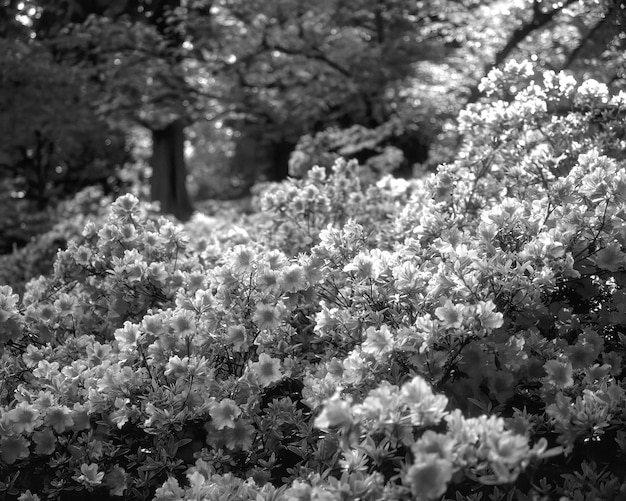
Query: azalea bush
x=378, y=149
x=67, y=221
x=459, y=336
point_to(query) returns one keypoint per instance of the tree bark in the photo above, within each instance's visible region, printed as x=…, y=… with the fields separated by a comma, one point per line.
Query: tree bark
x=280, y=166
x=169, y=172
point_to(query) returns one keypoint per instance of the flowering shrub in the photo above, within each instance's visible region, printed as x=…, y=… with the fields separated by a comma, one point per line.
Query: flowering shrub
x=460, y=336
x=300, y=209
x=358, y=142
x=67, y=221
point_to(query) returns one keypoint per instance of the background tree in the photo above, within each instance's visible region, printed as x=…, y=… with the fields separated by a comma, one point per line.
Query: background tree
x=134, y=51
x=127, y=56
x=285, y=69
x=54, y=142
x=386, y=75
x=584, y=37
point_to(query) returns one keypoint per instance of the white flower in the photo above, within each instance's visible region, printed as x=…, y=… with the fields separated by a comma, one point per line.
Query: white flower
x=336, y=412
x=266, y=371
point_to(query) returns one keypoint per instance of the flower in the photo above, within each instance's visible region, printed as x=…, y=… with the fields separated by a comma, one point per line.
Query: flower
x=363, y=266
x=291, y=278
x=591, y=89
x=377, y=341
x=336, y=412
x=13, y=448
x=80, y=417
x=184, y=322
x=32, y=356
x=46, y=370
x=24, y=418
x=122, y=413
x=177, y=366
x=275, y=259
x=242, y=259
x=580, y=355
x=90, y=476
x=97, y=353
x=131, y=267
x=28, y=496
x=267, y=316
x=151, y=324
x=224, y=414
x=169, y=491
x=406, y=276
x=266, y=371
x=299, y=491
x=450, y=315
x=125, y=205
x=237, y=337
x=430, y=443
x=506, y=448
x=380, y=405
x=559, y=373
x=425, y=407
x=65, y=304
x=115, y=480
x=267, y=281
x=429, y=477
x=157, y=273
x=240, y=436
x=46, y=442
x=127, y=336
x=489, y=319
x=59, y=418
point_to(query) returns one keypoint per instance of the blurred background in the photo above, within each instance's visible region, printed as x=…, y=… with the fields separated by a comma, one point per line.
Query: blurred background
x=189, y=101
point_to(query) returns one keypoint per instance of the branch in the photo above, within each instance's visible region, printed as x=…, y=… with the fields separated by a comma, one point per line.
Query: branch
x=590, y=34
x=315, y=53
x=539, y=20
x=380, y=24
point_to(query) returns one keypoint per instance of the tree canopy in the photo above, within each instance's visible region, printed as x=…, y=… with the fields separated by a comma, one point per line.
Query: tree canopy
x=78, y=75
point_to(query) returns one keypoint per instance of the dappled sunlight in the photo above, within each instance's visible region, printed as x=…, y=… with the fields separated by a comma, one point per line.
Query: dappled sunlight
x=299, y=250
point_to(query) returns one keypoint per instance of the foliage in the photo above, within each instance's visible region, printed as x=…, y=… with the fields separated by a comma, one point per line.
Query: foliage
x=80, y=73
x=54, y=143
x=265, y=54
x=76, y=72
x=460, y=336
x=38, y=255
x=212, y=174
x=392, y=148
x=302, y=208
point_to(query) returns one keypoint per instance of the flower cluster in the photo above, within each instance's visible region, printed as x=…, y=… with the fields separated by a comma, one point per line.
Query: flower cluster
x=301, y=208
x=458, y=336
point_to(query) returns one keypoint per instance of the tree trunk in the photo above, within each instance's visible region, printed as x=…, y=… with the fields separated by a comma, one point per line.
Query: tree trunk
x=169, y=171
x=281, y=151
